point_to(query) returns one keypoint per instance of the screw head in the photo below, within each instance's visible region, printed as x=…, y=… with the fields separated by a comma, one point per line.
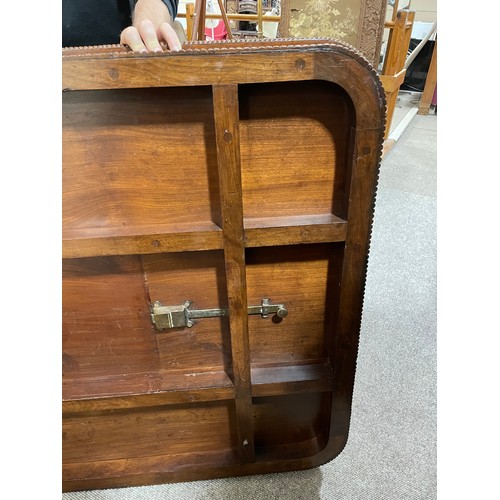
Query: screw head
x=282, y=312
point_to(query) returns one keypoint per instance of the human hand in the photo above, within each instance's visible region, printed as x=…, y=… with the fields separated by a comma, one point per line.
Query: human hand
x=146, y=38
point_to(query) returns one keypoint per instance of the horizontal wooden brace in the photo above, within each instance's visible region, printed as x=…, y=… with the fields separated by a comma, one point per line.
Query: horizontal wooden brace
x=393, y=82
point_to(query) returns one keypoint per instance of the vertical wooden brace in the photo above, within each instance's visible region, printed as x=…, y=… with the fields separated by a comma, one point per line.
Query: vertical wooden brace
x=225, y=98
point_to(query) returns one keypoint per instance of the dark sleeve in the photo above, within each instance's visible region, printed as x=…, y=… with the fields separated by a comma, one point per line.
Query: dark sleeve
x=93, y=22
x=171, y=6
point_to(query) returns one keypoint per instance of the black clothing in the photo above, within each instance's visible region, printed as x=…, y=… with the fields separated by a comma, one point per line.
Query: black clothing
x=99, y=22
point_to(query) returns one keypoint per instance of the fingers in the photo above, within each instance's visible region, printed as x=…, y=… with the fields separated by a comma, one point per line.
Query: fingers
x=148, y=35
x=130, y=36
x=170, y=36
x=144, y=38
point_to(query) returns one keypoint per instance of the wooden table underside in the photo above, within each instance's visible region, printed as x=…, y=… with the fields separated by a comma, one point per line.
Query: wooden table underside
x=223, y=174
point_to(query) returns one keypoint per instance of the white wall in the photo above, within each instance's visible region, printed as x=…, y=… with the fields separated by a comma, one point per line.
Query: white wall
x=425, y=11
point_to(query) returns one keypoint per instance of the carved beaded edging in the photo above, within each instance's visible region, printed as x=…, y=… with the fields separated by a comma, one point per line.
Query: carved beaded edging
x=212, y=46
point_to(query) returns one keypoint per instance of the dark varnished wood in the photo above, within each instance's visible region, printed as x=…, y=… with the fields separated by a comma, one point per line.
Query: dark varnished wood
x=223, y=174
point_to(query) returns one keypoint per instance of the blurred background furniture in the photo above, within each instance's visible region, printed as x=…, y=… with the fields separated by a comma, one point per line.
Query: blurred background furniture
x=252, y=18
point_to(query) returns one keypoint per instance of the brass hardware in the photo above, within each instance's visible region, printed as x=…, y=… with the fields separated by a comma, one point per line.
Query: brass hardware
x=182, y=316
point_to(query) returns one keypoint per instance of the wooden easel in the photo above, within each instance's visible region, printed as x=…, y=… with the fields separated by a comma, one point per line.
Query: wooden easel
x=393, y=71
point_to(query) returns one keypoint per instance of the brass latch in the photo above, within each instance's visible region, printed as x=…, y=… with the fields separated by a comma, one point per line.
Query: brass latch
x=181, y=316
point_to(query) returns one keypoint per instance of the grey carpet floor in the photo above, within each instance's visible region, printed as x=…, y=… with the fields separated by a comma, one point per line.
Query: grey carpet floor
x=391, y=452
